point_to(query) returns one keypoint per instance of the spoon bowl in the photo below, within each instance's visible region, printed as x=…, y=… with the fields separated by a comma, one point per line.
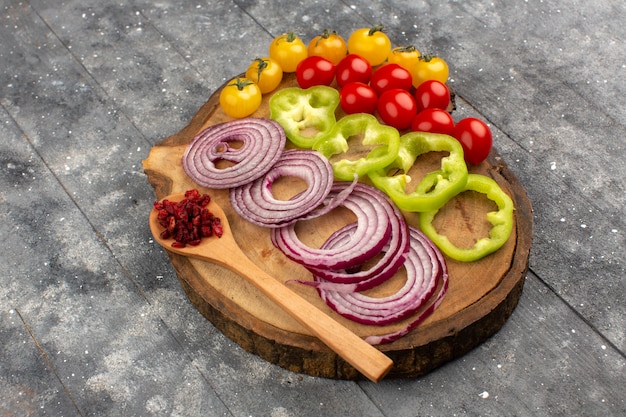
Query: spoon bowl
x=225, y=251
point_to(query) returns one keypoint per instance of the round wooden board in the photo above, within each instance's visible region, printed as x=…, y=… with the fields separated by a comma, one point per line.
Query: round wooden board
x=481, y=295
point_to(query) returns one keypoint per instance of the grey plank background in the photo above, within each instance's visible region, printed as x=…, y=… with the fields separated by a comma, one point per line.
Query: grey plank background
x=92, y=318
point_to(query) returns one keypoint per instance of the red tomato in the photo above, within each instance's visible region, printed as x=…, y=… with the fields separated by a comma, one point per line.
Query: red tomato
x=433, y=121
x=432, y=94
x=358, y=97
x=475, y=136
x=391, y=76
x=353, y=68
x=397, y=108
x=315, y=70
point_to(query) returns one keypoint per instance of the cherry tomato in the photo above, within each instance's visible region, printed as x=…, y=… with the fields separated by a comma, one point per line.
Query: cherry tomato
x=433, y=121
x=475, y=136
x=358, y=97
x=328, y=45
x=432, y=94
x=390, y=76
x=353, y=68
x=370, y=43
x=405, y=56
x=240, y=98
x=288, y=50
x=397, y=108
x=266, y=73
x=315, y=70
x=430, y=68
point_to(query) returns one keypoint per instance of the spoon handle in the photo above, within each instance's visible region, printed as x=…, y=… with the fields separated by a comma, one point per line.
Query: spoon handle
x=368, y=360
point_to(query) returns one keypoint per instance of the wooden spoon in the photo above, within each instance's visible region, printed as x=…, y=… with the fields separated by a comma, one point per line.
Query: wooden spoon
x=224, y=251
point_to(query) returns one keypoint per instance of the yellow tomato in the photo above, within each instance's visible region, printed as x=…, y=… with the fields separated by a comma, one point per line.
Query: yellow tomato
x=266, y=73
x=288, y=50
x=240, y=98
x=371, y=44
x=328, y=45
x=405, y=56
x=430, y=67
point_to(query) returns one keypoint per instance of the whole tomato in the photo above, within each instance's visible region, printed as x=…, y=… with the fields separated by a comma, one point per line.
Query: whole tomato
x=353, y=68
x=240, y=98
x=266, y=73
x=397, y=108
x=405, y=56
x=315, y=70
x=370, y=43
x=432, y=94
x=358, y=97
x=288, y=50
x=475, y=137
x=433, y=121
x=391, y=76
x=328, y=45
x=430, y=67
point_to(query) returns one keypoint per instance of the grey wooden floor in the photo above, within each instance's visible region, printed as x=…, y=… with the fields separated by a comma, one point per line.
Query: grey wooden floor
x=93, y=321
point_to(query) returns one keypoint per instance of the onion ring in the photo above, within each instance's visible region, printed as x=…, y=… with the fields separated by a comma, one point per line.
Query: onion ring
x=255, y=202
x=262, y=142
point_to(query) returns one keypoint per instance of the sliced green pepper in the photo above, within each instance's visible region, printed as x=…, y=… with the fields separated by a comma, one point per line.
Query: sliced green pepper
x=436, y=188
x=385, y=139
x=306, y=115
x=501, y=220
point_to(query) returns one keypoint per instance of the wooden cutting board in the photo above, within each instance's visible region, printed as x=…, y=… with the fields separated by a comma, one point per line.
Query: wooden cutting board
x=480, y=298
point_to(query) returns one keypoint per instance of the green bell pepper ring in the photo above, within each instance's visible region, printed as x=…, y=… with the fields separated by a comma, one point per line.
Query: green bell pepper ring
x=501, y=220
x=385, y=140
x=306, y=115
x=437, y=187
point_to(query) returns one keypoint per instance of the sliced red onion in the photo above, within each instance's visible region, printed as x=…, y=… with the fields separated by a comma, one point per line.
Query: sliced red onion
x=369, y=237
x=255, y=202
x=389, y=263
x=262, y=142
x=426, y=310
x=426, y=272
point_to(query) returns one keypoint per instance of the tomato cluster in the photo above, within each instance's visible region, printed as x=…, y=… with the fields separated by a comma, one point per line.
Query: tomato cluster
x=406, y=89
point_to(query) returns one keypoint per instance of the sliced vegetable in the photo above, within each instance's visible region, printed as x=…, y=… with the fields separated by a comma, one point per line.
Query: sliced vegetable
x=436, y=188
x=368, y=239
x=424, y=270
x=233, y=153
x=240, y=98
x=361, y=279
x=380, y=144
x=427, y=308
x=255, y=202
x=501, y=220
x=305, y=115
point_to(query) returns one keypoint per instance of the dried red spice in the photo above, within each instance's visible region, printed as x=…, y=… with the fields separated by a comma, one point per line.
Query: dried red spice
x=188, y=220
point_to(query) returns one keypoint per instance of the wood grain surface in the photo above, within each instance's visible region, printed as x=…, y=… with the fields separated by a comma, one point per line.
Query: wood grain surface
x=480, y=297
